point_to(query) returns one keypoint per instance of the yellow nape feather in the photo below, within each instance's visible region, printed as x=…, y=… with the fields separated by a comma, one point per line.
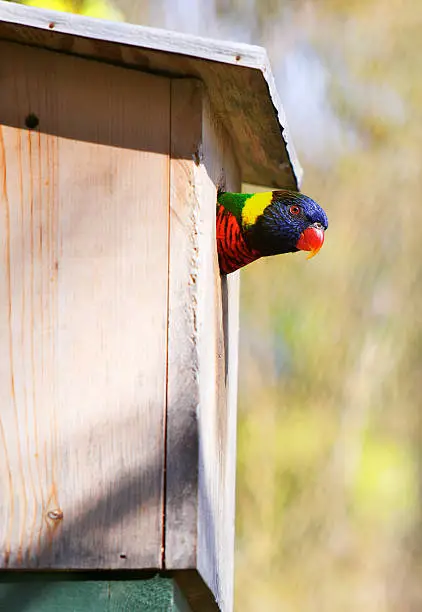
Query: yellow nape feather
x=255, y=206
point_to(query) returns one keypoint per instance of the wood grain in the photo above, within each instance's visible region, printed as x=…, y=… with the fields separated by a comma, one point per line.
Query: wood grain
x=83, y=312
x=238, y=77
x=218, y=313
x=201, y=411
x=183, y=365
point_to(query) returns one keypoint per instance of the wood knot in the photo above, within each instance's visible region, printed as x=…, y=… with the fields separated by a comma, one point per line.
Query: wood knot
x=55, y=515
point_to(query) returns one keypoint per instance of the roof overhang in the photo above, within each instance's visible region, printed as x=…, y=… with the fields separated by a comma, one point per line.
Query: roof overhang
x=238, y=78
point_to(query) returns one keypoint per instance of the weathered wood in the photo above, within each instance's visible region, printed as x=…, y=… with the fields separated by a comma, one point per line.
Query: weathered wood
x=89, y=592
x=83, y=311
x=195, y=591
x=183, y=367
x=238, y=77
x=218, y=307
x=201, y=420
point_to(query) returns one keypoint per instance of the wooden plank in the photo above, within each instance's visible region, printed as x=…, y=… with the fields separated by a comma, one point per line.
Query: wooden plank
x=183, y=366
x=196, y=592
x=238, y=77
x=83, y=312
x=218, y=311
x=201, y=417
x=89, y=592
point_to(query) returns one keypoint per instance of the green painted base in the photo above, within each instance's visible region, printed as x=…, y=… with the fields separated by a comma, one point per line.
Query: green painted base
x=88, y=592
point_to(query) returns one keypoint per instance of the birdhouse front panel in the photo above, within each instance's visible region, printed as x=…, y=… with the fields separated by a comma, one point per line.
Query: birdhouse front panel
x=118, y=337
x=84, y=213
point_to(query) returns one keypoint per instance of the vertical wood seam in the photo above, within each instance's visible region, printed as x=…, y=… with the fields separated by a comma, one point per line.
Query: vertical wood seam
x=164, y=497
x=2, y=430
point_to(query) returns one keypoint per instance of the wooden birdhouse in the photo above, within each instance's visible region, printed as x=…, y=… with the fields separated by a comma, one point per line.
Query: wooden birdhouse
x=118, y=336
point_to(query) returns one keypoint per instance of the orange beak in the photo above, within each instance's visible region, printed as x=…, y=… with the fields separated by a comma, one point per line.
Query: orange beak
x=311, y=240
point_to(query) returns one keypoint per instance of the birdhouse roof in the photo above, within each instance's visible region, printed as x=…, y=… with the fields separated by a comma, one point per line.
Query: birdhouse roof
x=238, y=78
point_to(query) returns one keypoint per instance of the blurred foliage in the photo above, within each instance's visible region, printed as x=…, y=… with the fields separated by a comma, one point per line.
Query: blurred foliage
x=91, y=8
x=328, y=490
x=334, y=523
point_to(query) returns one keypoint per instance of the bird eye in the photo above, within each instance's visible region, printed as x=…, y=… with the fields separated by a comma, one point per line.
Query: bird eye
x=294, y=210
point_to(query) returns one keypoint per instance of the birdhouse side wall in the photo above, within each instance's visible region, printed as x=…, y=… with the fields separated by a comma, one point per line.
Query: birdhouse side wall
x=203, y=335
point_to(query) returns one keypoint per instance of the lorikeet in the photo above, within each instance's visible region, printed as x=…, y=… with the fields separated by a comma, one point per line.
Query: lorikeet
x=250, y=226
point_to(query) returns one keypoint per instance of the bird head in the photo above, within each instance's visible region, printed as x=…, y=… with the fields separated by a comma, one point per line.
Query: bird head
x=290, y=222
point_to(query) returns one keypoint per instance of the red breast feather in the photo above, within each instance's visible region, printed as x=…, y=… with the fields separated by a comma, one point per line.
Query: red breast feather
x=233, y=251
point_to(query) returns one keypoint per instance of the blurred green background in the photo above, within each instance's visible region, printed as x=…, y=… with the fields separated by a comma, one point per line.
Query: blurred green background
x=329, y=478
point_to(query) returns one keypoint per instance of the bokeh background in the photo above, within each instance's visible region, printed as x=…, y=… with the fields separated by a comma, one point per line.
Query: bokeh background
x=329, y=465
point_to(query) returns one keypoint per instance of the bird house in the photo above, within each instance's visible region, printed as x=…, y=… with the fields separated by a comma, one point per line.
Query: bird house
x=118, y=336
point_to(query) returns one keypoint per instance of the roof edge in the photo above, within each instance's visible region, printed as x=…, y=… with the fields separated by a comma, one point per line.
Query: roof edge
x=216, y=50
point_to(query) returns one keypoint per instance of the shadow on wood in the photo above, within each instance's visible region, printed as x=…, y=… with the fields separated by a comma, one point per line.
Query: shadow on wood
x=126, y=498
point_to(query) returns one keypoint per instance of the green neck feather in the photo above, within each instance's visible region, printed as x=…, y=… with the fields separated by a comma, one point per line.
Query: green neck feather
x=234, y=202
x=246, y=207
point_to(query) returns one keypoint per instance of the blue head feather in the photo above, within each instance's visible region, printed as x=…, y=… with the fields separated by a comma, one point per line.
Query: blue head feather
x=277, y=230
